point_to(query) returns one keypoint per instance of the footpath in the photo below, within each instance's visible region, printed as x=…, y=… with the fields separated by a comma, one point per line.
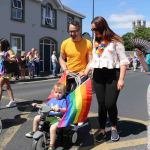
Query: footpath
x=42, y=77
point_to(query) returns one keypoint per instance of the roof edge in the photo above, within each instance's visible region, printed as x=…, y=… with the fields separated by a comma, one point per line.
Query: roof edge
x=71, y=11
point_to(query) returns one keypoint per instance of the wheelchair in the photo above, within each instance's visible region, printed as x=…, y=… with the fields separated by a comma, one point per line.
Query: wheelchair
x=41, y=137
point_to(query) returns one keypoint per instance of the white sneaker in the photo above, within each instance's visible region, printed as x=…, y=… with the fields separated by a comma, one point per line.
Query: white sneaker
x=80, y=123
x=29, y=134
x=11, y=104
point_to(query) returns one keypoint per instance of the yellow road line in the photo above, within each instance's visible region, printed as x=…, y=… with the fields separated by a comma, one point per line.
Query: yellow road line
x=103, y=146
x=128, y=143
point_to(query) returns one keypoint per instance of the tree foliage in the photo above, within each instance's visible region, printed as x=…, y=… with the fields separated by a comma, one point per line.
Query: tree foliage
x=141, y=32
x=127, y=41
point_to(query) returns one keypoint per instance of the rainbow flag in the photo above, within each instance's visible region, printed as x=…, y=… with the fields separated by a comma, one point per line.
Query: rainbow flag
x=79, y=102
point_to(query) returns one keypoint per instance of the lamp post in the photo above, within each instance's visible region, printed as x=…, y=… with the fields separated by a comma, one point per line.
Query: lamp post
x=93, y=18
x=93, y=9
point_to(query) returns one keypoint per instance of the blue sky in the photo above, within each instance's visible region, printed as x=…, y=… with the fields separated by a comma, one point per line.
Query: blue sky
x=118, y=13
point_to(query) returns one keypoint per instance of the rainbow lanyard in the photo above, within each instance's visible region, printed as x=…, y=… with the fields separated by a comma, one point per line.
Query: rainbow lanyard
x=100, y=47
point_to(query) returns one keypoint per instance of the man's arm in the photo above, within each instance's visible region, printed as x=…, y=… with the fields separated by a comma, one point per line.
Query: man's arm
x=62, y=62
x=89, y=57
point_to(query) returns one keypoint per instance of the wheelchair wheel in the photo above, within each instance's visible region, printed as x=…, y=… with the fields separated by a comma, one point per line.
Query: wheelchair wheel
x=0, y=126
x=39, y=144
x=73, y=137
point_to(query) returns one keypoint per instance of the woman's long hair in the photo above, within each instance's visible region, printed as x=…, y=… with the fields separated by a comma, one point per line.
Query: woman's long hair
x=103, y=28
x=5, y=46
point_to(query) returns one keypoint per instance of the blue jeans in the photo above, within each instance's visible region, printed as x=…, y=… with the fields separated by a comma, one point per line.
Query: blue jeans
x=54, y=68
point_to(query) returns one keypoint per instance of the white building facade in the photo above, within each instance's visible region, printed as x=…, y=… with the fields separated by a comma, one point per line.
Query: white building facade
x=42, y=24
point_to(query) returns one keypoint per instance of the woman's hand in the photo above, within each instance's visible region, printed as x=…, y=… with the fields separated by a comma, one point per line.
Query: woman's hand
x=120, y=84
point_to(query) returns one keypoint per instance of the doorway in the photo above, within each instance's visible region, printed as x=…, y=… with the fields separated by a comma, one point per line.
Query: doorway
x=47, y=46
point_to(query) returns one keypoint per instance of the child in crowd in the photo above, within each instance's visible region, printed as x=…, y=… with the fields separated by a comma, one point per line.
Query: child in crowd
x=58, y=105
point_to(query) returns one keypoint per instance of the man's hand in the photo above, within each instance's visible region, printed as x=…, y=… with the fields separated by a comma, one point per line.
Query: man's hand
x=82, y=74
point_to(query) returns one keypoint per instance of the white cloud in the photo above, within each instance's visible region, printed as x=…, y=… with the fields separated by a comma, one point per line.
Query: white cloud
x=124, y=21
x=148, y=23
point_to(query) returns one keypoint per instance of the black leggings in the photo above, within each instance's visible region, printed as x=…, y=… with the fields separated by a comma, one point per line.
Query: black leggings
x=105, y=85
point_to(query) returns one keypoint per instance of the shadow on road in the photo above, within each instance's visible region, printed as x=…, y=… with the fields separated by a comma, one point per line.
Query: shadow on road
x=17, y=120
x=126, y=128
x=24, y=108
x=27, y=106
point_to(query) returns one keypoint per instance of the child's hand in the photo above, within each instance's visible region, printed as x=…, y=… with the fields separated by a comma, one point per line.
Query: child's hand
x=34, y=104
x=56, y=108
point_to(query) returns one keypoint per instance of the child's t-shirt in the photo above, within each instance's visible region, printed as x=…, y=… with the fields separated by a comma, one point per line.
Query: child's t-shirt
x=55, y=102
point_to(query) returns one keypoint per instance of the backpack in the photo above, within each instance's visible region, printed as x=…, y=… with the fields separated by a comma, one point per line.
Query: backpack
x=148, y=59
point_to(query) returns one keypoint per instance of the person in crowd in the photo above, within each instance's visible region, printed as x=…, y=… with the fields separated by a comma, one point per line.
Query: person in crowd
x=135, y=62
x=146, y=66
x=76, y=52
x=6, y=54
x=22, y=66
x=58, y=106
x=54, y=63
x=37, y=62
x=16, y=73
x=31, y=65
x=109, y=64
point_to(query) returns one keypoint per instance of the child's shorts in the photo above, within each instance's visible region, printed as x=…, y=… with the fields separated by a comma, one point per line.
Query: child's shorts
x=53, y=119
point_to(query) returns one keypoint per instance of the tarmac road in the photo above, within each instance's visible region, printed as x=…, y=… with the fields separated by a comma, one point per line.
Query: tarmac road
x=132, y=119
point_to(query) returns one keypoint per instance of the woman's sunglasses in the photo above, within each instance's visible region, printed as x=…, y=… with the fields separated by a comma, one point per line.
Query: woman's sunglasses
x=94, y=29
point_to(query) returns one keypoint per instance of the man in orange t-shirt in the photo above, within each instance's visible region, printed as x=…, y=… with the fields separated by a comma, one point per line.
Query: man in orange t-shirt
x=76, y=51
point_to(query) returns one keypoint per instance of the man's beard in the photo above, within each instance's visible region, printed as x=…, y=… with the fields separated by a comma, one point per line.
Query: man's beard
x=74, y=37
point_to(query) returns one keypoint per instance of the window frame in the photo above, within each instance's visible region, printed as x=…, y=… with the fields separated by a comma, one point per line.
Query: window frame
x=22, y=37
x=16, y=9
x=51, y=17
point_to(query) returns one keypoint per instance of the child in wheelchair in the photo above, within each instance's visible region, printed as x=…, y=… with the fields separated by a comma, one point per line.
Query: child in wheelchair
x=58, y=108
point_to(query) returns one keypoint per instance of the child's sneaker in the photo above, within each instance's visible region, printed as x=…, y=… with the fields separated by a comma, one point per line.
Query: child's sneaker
x=11, y=104
x=29, y=134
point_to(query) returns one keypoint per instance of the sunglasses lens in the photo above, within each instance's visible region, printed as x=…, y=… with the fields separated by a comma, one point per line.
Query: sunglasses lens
x=94, y=29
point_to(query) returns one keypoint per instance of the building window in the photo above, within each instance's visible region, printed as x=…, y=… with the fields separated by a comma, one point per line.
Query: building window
x=48, y=16
x=17, y=10
x=17, y=42
x=70, y=18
